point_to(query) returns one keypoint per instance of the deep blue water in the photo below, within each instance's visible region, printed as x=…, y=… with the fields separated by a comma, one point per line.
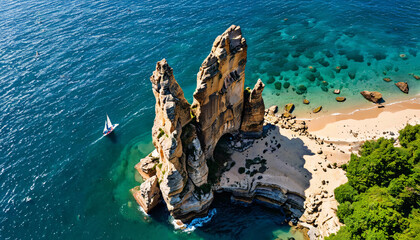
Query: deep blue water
x=65, y=64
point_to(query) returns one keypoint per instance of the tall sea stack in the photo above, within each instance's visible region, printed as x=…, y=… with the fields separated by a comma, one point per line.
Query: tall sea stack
x=185, y=135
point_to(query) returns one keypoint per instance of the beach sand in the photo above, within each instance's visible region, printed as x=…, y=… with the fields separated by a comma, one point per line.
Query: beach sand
x=306, y=163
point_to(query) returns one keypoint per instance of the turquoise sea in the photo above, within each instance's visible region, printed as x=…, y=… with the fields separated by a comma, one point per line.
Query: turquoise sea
x=65, y=64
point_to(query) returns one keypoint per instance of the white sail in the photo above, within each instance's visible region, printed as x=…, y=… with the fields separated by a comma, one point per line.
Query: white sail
x=108, y=121
x=106, y=127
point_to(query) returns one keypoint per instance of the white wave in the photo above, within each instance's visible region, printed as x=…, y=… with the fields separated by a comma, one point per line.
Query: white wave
x=195, y=223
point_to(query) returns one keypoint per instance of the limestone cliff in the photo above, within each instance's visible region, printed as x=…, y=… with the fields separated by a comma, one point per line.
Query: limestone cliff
x=254, y=109
x=172, y=114
x=218, y=99
x=185, y=136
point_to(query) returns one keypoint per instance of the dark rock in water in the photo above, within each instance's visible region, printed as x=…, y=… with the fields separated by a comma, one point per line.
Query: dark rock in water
x=337, y=69
x=286, y=85
x=403, y=86
x=379, y=56
x=387, y=79
x=352, y=75
x=355, y=56
x=309, y=54
x=328, y=54
x=369, y=63
x=310, y=76
x=281, y=77
x=344, y=66
x=294, y=67
x=320, y=78
x=301, y=89
x=340, y=99
x=324, y=63
x=396, y=69
x=374, y=97
x=317, y=110
x=305, y=101
x=270, y=80
x=296, y=74
x=324, y=88
x=295, y=54
x=277, y=85
x=325, y=83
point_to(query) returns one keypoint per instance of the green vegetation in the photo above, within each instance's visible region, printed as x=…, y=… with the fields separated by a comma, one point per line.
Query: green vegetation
x=161, y=133
x=382, y=197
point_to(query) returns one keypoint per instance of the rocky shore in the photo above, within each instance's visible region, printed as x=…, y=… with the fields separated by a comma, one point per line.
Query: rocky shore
x=269, y=155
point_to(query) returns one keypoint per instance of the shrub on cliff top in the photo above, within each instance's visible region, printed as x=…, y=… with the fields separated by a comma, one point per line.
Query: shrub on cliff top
x=381, y=200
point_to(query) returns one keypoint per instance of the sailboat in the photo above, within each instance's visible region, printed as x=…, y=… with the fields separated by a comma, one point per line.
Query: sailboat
x=109, y=127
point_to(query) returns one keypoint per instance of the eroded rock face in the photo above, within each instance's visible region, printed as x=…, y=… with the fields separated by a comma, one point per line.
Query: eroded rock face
x=185, y=136
x=148, y=195
x=147, y=166
x=372, y=96
x=254, y=109
x=172, y=114
x=218, y=99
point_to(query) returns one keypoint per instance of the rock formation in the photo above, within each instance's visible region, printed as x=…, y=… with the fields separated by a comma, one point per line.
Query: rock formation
x=219, y=97
x=185, y=136
x=254, y=109
x=148, y=194
x=403, y=86
x=374, y=97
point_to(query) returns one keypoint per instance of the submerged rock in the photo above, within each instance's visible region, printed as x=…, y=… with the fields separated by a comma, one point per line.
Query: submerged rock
x=403, y=86
x=305, y=101
x=374, y=97
x=386, y=79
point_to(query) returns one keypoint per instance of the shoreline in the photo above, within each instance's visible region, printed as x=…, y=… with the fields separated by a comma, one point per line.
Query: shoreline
x=320, y=122
x=323, y=147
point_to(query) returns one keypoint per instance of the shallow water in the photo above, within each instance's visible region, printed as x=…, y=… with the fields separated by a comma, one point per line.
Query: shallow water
x=65, y=64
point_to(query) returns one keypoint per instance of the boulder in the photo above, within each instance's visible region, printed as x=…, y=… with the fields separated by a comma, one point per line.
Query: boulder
x=340, y=99
x=337, y=91
x=289, y=107
x=273, y=110
x=253, y=113
x=147, y=166
x=374, y=97
x=148, y=194
x=403, y=86
x=387, y=79
x=317, y=110
x=305, y=101
x=417, y=77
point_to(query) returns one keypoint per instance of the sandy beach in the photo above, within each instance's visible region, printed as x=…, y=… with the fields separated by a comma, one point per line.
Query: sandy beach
x=305, y=163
